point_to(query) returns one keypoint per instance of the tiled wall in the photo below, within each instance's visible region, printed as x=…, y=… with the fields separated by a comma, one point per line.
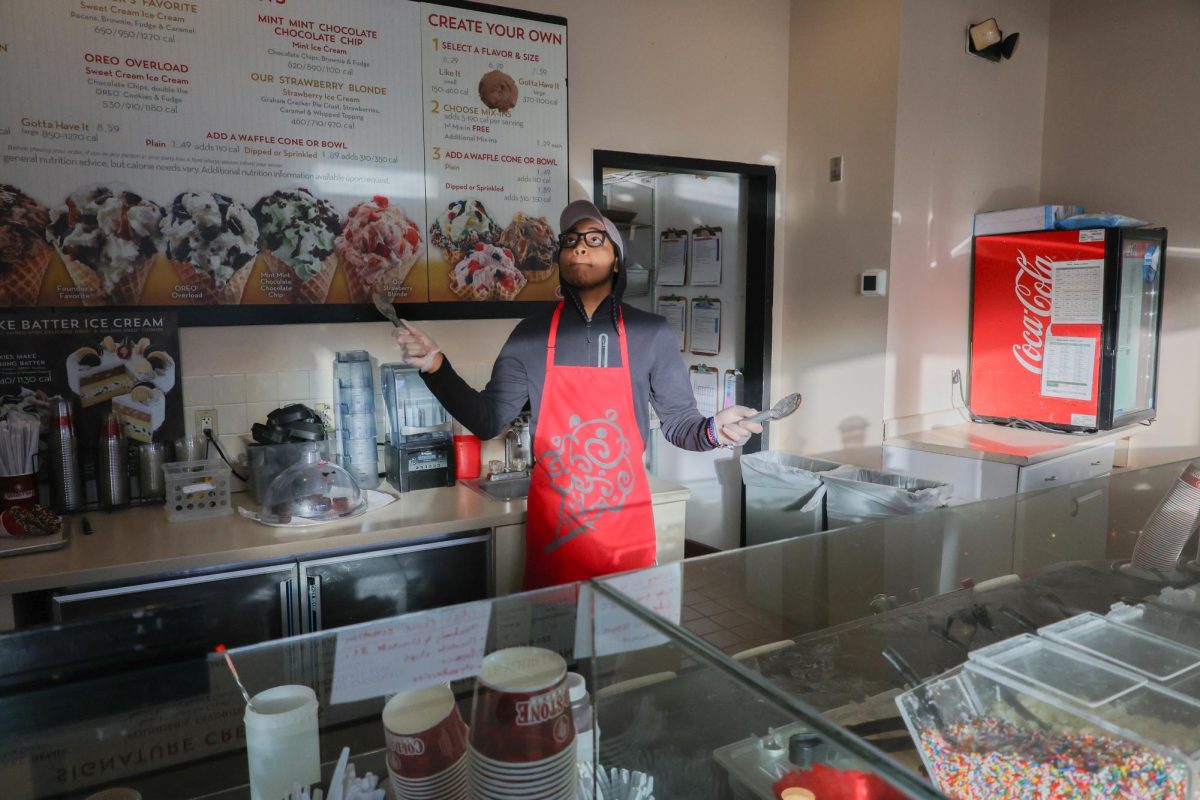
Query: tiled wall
x=246, y=372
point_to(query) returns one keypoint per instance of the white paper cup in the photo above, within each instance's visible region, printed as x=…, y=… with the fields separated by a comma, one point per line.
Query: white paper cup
x=282, y=745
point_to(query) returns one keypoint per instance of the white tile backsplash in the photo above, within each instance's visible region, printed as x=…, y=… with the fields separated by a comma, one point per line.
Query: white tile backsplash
x=257, y=412
x=293, y=385
x=231, y=418
x=230, y=388
x=320, y=384
x=197, y=390
x=262, y=387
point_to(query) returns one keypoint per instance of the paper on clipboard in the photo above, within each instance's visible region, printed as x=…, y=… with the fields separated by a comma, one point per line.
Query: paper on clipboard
x=675, y=310
x=672, y=258
x=705, y=251
x=704, y=381
x=706, y=327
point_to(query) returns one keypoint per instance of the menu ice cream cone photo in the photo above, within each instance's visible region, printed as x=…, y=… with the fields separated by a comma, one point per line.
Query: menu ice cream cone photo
x=211, y=241
x=108, y=239
x=297, y=234
x=379, y=247
x=24, y=252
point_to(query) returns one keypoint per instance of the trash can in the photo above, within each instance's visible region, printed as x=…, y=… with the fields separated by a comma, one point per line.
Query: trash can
x=855, y=495
x=784, y=495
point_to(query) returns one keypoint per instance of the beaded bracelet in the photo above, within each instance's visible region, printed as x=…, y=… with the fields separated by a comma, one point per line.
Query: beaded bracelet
x=711, y=430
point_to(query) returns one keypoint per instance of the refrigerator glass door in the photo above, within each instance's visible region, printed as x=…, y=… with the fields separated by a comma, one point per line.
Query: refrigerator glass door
x=346, y=590
x=1137, y=327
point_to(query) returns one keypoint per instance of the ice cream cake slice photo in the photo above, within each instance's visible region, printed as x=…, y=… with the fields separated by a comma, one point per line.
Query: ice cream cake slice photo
x=142, y=412
x=115, y=368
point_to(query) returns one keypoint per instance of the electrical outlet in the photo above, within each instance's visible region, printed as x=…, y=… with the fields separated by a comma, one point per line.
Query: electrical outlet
x=325, y=412
x=955, y=376
x=206, y=420
x=835, y=169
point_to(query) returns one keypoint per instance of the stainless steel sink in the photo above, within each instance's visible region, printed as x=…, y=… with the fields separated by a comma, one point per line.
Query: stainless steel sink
x=502, y=490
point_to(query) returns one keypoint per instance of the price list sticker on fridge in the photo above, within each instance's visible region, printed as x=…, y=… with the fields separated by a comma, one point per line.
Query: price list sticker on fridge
x=1065, y=327
x=495, y=113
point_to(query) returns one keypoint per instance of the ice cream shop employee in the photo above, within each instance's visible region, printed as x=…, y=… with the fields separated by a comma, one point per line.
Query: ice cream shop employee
x=587, y=367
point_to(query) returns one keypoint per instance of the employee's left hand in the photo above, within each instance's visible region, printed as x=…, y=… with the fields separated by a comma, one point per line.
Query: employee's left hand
x=730, y=428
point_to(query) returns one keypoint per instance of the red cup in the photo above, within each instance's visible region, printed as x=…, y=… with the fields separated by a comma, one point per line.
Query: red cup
x=467, y=451
x=18, y=491
x=522, y=711
x=425, y=733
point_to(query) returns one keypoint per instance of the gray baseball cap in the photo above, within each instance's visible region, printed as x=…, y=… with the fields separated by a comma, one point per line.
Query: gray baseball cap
x=585, y=209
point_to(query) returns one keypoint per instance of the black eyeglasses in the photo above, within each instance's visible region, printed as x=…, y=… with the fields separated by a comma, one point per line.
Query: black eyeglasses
x=591, y=238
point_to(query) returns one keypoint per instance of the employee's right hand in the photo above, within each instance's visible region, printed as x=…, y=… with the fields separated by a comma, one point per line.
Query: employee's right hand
x=419, y=350
x=730, y=429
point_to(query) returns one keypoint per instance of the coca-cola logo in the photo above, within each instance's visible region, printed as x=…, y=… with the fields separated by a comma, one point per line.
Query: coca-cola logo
x=408, y=746
x=543, y=707
x=1033, y=286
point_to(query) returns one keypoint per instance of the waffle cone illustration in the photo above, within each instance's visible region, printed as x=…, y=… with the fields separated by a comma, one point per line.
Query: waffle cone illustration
x=107, y=237
x=87, y=280
x=23, y=284
x=312, y=291
x=208, y=293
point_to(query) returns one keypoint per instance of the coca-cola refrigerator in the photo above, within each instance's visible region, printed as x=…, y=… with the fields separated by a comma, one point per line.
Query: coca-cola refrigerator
x=1065, y=327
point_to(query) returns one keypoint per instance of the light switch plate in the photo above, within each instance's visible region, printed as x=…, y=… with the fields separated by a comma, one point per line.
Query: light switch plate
x=873, y=283
x=835, y=169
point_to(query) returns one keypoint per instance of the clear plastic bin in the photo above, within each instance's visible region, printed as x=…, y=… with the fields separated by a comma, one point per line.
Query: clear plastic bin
x=1169, y=623
x=1136, y=650
x=196, y=490
x=1026, y=718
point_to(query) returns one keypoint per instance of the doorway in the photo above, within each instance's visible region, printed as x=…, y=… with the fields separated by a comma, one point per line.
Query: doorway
x=700, y=242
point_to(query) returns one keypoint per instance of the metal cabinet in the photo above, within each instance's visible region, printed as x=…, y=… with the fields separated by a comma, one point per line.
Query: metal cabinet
x=240, y=607
x=357, y=587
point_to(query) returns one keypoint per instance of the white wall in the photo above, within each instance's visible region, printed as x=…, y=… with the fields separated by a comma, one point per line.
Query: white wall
x=1122, y=111
x=706, y=79
x=843, y=76
x=968, y=138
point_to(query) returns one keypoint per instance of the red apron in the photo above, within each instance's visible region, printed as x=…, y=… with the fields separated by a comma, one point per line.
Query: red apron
x=589, y=509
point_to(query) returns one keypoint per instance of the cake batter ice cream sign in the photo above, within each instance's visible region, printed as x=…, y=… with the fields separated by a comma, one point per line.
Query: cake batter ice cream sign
x=127, y=363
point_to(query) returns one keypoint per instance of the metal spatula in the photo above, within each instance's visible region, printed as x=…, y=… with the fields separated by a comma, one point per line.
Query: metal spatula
x=384, y=305
x=785, y=407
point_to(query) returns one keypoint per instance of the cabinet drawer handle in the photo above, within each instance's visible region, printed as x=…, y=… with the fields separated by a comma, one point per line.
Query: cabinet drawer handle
x=1097, y=463
x=1051, y=478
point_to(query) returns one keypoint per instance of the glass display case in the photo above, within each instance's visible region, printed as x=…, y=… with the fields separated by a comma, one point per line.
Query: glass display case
x=738, y=675
x=649, y=705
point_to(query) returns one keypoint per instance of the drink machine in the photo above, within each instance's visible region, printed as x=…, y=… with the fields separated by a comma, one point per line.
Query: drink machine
x=419, y=448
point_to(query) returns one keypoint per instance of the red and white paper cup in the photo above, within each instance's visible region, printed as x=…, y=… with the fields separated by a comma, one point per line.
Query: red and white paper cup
x=522, y=711
x=425, y=734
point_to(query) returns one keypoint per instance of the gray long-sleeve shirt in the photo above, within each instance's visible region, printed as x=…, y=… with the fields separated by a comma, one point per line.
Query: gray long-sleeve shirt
x=519, y=374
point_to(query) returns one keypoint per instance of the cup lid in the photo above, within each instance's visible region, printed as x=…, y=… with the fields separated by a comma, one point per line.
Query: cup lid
x=522, y=669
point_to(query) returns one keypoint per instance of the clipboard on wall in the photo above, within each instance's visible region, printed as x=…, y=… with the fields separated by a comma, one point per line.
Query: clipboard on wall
x=704, y=380
x=675, y=309
x=672, y=257
x=705, y=327
x=706, y=251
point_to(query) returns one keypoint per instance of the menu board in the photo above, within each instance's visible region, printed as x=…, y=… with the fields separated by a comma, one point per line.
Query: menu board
x=283, y=153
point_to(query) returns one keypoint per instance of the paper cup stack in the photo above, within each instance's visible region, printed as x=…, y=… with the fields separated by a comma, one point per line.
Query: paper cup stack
x=427, y=745
x=522, y=740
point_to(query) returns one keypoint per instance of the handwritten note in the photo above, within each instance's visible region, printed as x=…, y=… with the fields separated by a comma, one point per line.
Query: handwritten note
x=409, y=652
x=613, y=629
